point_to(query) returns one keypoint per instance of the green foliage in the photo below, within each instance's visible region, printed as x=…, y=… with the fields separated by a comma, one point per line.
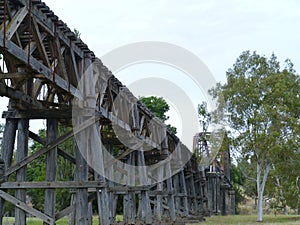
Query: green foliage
x=77, y=33
x=204, y=116
x=237, y=179
x=172, y=129
x=159, y=107
x=36, y=171
x=263, y=101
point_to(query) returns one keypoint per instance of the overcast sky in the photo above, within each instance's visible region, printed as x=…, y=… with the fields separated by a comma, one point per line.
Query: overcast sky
x=216, y=31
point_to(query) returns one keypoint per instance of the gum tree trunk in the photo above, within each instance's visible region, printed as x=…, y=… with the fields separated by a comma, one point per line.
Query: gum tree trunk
x=261, y=182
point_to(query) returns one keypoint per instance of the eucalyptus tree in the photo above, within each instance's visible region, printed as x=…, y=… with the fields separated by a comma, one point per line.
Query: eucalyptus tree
x=263, y=102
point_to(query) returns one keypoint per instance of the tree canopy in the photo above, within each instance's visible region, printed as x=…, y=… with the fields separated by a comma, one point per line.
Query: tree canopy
x=263, y=102
x=159, y=107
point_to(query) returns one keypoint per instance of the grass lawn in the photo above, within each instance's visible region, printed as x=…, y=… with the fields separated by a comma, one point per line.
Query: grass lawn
x=251, y=219
x=35, y=221
x=215, y=220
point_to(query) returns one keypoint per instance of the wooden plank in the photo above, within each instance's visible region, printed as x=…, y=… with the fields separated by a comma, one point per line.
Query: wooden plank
x=38, y=114
x=52, y=185
x=23, y=206
x=17, y=75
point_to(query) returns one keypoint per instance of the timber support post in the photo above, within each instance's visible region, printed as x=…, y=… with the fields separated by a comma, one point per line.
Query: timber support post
x=51, y=165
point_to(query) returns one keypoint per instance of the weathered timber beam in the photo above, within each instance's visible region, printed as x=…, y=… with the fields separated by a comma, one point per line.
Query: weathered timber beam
x=22, y=55
x=20, y=96
x=19, y=75
x=38, y=114
x=128, y=188
x=50, y=146
x=25, y=207
x=39, y=41
x=64, y=212
x=54, y=185
x=15, y=23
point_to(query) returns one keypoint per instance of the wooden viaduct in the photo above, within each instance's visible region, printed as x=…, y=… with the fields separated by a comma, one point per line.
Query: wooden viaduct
x=43, y=63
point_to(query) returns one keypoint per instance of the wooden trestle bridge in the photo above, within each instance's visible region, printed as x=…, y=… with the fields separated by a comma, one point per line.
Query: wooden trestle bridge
x=43, y=62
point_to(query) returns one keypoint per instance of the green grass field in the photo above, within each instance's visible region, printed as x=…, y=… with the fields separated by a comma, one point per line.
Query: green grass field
x=215, y=220
x=251, y=219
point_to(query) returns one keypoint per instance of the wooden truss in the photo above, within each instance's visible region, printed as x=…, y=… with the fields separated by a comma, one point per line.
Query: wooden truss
x=44, y=62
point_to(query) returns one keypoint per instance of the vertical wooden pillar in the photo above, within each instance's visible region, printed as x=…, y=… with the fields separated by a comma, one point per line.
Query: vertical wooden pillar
x=232, y=202
x=145, y=211
x=22, y=151
x=210, y=192
x=178, y=194
x=102, y=194
x=51, y=164
x=106, y=200
x=103, y=202
x=90, y=214
x=224, y=199
x=111, y=195
x=159, y=203
x=72, y=215
x=81, y=174
x=8, y=143
x=129, y=206
x=169, y=181
x=199, y=190
x=204, y=190
x=185, y=194
x=192, y=192
x=218, y=195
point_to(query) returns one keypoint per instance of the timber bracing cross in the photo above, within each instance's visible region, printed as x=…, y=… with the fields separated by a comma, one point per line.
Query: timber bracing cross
x=44, y=66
